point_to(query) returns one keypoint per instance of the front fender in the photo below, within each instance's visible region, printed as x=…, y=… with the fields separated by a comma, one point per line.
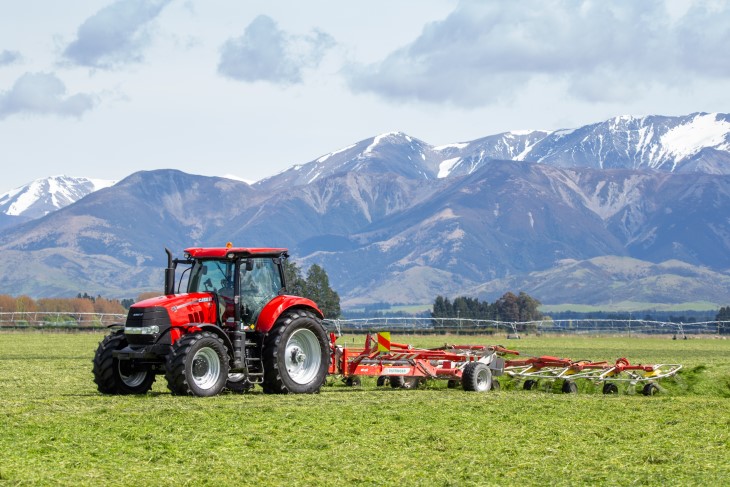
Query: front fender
x=278, y=305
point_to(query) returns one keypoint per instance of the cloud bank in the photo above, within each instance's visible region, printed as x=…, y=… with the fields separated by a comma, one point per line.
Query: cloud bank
x=115, y=35
x=599, y=51
x=266, y=53
x=42, y=94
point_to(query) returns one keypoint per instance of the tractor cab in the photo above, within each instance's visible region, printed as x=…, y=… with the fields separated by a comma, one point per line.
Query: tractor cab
x=247, y=282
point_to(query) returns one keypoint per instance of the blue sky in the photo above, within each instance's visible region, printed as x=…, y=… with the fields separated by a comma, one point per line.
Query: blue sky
x=223, y=87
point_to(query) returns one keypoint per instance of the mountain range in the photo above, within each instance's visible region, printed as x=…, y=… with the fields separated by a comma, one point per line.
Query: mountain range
x=630, y=209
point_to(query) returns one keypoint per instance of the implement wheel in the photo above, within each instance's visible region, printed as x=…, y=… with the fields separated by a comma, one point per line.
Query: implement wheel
x=529, y=384
x=114, y=376
x=569, y=387
x=353, y=382
x=197, y=365
x=401, y=382
x=650, y=389
x=609, y=388
x=382, y=381
x=296, y=354
x=476, y=377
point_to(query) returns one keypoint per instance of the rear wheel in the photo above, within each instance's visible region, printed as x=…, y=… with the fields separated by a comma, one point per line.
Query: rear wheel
x=197, y=365
x=476, y=377
x=114, y=376
x=296, y=354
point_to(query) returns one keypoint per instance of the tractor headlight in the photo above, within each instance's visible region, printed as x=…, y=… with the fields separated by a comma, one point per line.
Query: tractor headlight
x=142, y=330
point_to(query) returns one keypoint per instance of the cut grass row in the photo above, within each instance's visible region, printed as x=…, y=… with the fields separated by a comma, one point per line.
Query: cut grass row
x=56, y=429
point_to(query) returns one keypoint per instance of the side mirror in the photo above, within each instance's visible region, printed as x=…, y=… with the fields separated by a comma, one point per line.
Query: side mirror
x=249, y=265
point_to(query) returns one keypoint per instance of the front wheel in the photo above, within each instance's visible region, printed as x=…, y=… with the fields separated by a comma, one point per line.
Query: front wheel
x=197, y=365
x=296, y=354
x=113, y=376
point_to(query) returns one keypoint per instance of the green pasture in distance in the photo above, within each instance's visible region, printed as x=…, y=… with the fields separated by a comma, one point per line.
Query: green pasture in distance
x=56, y=429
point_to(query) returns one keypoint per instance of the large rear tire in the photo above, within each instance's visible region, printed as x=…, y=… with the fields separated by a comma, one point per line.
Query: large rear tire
x=296, y=354
x=197, y=365
x=114, y=376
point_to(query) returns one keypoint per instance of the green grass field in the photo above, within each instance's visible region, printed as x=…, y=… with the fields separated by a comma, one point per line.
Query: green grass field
x=57, y=430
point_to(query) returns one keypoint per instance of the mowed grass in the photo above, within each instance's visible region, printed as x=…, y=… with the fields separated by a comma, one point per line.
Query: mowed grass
x=57, y=430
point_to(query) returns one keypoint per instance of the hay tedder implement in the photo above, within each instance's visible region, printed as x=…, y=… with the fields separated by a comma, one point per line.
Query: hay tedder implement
x=474, y=366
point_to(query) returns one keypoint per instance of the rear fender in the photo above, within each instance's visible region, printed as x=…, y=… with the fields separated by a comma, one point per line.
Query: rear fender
x=278, y=305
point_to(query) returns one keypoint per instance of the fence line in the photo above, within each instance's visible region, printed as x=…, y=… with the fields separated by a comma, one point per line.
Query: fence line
x=577, y=327
x=58, y=320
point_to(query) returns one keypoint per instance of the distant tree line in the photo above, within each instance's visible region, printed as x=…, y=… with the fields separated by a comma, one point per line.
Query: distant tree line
x=509, y=308
x=316, y=286
x=80, y=304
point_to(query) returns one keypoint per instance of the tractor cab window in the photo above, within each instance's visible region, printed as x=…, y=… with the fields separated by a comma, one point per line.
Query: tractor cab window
x=260, y=283
x=212, y=276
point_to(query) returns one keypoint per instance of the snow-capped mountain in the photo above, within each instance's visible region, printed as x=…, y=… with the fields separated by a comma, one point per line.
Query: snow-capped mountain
x=694, y=143
x=43, y=196
x=699, y=142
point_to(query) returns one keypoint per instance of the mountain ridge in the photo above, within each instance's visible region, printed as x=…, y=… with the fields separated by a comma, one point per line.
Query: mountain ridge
x=387, y=228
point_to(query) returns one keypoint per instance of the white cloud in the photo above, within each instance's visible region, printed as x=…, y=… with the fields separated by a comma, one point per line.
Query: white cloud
x=485, y=51
x=9, y=57
x=115, y=35
x=43, y=94
x=266, y=53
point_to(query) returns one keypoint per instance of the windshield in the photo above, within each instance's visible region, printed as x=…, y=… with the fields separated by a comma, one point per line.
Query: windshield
x=212, y=276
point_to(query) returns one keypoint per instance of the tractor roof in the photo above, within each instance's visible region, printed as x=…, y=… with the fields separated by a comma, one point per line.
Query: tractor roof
x=220, y=252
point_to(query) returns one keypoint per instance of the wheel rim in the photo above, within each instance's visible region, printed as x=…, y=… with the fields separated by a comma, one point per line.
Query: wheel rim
x=132, y=379
x=206, y=368
x=303, y=356
x=483, y=382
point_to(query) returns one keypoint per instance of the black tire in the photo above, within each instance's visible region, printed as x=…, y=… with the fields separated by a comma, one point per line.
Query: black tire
x=650, y=389
x=453, y=384
x=397, y=381
x=113, y=376
x=569, y=387
x=529, y=384
x=382, y=381
x=353, y=382
x=197, y=365
x=238, y=383
x=476, y=377
x=401, y=382
x=296, y=354
x=610, y=388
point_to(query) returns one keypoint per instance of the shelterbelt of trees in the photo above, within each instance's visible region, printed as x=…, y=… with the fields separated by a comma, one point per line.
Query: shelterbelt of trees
x=80, y=304
x=509, y=307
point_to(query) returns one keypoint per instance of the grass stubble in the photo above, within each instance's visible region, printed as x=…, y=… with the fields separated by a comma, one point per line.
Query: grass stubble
x=58, y=430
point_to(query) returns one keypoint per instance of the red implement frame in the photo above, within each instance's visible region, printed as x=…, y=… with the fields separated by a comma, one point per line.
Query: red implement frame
x=445, y=362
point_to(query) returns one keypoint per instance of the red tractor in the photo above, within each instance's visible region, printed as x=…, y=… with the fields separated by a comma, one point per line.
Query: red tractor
x=234, y=327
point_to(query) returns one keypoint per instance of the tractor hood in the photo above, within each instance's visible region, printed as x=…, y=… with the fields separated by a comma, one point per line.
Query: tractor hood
x=182, y=309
